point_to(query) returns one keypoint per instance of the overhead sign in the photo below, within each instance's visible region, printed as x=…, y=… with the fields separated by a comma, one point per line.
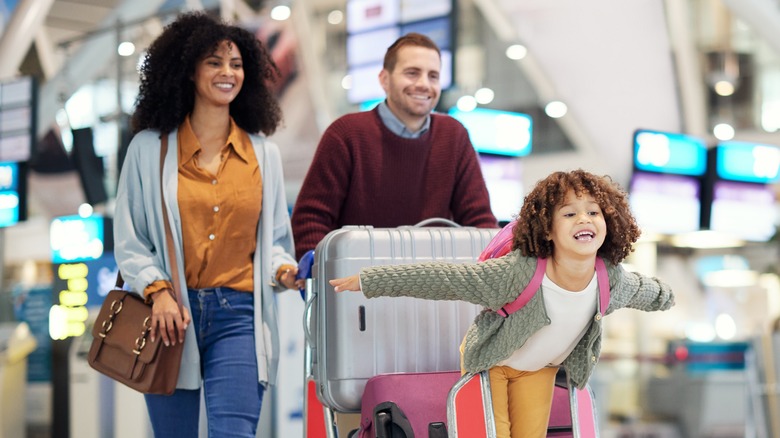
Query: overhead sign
x=748, y=162
x=497, y=132
x=666, y=152
x=75, y=238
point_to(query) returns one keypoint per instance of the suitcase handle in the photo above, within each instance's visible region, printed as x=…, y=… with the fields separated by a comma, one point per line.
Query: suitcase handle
x=437, y=220
x=307, y=315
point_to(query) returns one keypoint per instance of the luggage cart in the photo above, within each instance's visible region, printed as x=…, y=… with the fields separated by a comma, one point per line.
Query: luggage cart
x=350, y=339
x=351, y=325
x=762, y=419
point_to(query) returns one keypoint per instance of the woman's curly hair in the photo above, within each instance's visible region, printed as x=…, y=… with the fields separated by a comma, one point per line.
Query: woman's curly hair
x=534, y=223
x=167, y=92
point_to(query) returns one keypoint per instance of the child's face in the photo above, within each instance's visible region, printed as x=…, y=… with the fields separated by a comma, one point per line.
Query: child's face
x=578, y=227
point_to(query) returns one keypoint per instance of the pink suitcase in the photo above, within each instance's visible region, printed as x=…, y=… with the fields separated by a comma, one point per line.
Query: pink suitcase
x=420, y=397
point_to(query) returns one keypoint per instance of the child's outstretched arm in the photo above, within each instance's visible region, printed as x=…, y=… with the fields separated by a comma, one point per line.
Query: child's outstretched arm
x=347, y=283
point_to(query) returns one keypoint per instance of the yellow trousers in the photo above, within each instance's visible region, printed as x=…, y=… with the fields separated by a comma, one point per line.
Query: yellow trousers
x=521, y=401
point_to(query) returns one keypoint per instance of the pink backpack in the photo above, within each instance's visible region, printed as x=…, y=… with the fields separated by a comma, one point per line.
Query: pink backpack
x=501, y=245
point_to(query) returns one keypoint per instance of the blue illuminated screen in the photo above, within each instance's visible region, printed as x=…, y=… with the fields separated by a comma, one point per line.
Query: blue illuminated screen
x=748, y=162
x=497, y=132
x=75, y=239
x=665, y=152
x=9, y=194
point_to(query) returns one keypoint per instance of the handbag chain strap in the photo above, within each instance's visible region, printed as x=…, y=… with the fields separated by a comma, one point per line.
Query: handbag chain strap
x=168, y=235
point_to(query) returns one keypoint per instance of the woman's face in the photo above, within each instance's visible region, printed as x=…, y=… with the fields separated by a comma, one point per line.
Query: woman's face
x=219, y=76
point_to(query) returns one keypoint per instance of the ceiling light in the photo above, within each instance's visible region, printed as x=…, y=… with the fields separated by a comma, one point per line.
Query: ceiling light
x=484, y=96
x=335, y=17
x=346, y=82
x=85, y=210
x=467, y=103
x=280, y=13
x=723, y=131
x=724, y=88
x=126, y=48
x=516, y=52
x=556, y=109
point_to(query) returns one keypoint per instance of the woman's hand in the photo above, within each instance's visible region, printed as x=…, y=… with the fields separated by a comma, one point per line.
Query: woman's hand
x=347, y=283
x=166, y=319
x=288, y=279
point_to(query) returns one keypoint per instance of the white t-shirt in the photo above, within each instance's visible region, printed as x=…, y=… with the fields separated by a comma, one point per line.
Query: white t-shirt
x=570, y=314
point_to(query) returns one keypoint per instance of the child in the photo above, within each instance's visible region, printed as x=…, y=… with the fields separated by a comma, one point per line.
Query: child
x=569, y=218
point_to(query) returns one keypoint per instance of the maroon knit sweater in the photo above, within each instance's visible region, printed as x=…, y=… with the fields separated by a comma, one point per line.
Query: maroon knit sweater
x=363, y=174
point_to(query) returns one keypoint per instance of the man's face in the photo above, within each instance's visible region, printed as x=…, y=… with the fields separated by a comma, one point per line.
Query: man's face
x=413, y=88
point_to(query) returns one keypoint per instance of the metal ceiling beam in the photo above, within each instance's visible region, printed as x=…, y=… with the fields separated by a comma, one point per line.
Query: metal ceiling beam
x=91, y=58
x=763, y=16
x=689, y=70
x=27, y=18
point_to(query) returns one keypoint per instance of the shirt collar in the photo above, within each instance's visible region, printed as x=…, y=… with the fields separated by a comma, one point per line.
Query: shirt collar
x=397, y=127
x=189, y=145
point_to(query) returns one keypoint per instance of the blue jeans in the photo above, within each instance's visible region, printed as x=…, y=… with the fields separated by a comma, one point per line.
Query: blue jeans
x=224, y=327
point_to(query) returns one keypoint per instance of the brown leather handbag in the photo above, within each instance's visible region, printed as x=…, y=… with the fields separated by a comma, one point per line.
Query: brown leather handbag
x=121, y=347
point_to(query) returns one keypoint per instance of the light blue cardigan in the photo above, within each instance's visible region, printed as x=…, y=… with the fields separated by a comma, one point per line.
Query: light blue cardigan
x=140, y=250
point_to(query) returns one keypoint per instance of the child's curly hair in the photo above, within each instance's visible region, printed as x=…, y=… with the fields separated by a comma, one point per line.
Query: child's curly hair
x=534, y=223
x=167, y=92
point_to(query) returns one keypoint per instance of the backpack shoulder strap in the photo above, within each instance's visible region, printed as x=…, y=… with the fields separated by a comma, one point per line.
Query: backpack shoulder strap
x=536, y=281
x=527, y=293
x=603, y=280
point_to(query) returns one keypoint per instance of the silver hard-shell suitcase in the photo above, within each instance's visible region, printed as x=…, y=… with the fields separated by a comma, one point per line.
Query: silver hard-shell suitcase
x=353, y=338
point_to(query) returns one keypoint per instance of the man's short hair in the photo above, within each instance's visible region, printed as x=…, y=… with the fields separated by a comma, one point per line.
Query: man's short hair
x=410, y=39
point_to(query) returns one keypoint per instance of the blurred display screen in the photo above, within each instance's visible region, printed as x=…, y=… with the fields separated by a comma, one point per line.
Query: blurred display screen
x=504, y=181
x=364, y=48
x=363, y=15
x=373, y=26
x=497, y=132
x=416, y=10
x=437, y=30
x=17, y=92
x=744, y=210
x=665, y=152
x=749, y=162
x=665, y=204
x=76, y=239
x=11, y=194
x=17, y=118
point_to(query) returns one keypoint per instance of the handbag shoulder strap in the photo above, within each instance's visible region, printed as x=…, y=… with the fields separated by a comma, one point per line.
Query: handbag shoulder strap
x=536, y=281
x=168, y=235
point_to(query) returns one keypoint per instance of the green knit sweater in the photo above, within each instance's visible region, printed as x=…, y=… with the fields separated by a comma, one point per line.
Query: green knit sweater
x=496, y=282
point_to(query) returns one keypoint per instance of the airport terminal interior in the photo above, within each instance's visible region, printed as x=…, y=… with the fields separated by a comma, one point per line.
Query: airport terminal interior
x=678, y=101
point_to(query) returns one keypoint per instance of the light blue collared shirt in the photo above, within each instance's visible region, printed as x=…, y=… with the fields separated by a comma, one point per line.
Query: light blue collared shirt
x=396, y=126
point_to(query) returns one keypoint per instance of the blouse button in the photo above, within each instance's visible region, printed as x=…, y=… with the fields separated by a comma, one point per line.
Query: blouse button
x=593, y=359
x=216, y=208
x=213, y=182
x=212, y=237
x=598, y=316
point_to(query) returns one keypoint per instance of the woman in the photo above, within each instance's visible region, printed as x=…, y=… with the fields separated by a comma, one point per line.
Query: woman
x=204, y=87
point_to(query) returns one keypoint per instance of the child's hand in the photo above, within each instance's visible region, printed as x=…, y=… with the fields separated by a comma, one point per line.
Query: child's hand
x=347, y=283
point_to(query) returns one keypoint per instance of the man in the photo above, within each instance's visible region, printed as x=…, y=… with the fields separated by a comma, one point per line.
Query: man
x=397, y=164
